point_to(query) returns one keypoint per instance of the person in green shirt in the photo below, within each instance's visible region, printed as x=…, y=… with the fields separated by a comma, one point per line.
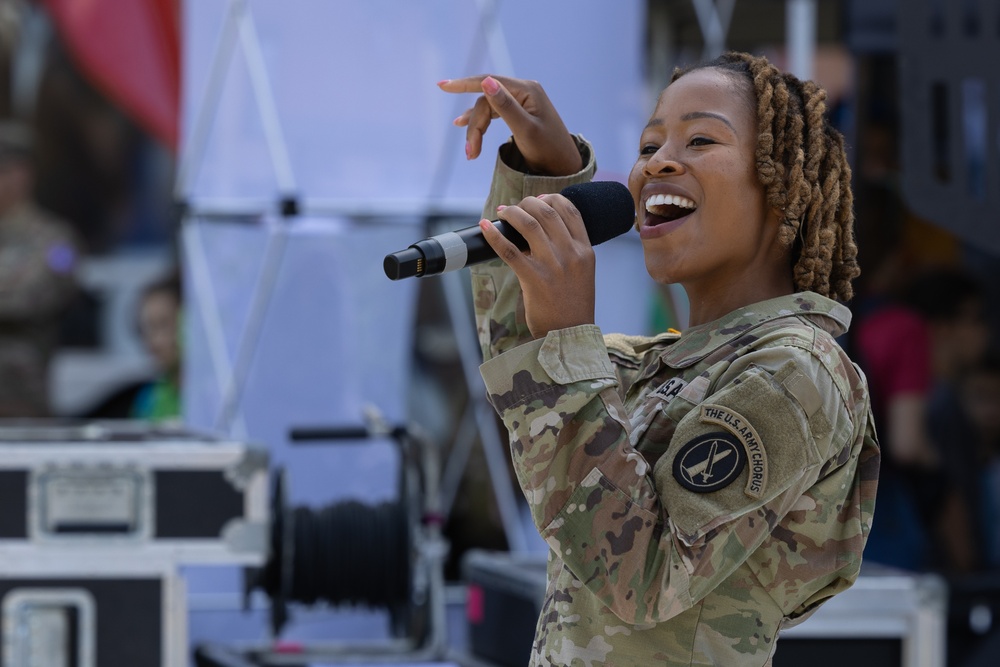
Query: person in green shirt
x=159, y=321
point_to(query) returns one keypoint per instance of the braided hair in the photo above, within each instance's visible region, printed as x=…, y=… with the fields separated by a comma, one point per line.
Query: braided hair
x=802, y=164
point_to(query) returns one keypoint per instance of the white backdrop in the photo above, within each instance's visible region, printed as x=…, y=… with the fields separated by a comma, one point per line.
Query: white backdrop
x=335, y=103
x=354, y=89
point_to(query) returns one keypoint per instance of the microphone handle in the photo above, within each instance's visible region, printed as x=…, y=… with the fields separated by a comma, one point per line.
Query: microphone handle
x=447, y=252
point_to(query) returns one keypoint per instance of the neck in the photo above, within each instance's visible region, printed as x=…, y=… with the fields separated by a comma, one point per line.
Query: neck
x=709, y=303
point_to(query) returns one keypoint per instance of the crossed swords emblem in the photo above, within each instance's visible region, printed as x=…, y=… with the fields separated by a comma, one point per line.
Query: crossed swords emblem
x=705, y=467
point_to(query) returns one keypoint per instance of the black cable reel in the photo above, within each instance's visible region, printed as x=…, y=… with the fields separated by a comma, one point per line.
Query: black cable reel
x=350, y=553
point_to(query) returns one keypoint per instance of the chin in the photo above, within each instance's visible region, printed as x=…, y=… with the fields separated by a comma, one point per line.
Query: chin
x=660, y=273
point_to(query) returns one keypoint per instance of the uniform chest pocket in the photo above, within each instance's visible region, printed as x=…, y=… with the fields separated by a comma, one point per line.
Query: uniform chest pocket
x=654, y=422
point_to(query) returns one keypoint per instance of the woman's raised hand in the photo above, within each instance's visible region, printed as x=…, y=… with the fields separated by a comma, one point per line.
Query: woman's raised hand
x=540, y=134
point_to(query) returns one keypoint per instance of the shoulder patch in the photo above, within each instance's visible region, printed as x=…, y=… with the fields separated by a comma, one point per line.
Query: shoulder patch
x=740, y=427
x=709, y=462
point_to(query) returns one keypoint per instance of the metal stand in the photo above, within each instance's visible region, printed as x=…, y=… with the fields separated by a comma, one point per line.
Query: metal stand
x=419, y=492
x=478, y=417
x=239, y=32
x=480, y=413
x=239, y=25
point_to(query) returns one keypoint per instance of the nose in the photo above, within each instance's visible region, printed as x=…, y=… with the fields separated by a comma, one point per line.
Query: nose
x=662, y=163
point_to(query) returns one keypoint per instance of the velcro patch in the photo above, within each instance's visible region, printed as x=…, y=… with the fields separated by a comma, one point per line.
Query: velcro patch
x=709, y=462
x=669, y=389
x=747, y=435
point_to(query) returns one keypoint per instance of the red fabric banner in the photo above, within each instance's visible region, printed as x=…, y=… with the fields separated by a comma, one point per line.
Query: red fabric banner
x=131, y=51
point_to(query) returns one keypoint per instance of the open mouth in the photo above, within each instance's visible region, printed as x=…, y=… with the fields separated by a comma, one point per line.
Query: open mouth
x=667, y=208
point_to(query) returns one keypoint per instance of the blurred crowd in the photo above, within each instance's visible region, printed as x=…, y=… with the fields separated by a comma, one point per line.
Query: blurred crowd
x=935, y=386
x=924, y=334
x=40, y=258
x=80, y=181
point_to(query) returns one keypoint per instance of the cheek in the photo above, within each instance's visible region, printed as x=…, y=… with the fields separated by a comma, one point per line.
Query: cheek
x=635, y=183
x=750, y=181
x=751, y=204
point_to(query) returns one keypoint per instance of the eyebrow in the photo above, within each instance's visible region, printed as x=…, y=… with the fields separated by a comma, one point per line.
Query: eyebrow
x=692, y=115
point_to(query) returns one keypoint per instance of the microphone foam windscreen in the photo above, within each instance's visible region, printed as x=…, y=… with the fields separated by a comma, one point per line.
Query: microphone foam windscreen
x=606, y=207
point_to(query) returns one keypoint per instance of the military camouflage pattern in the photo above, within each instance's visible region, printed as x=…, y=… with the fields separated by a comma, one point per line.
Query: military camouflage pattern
x=38, y=259
x=699, y=491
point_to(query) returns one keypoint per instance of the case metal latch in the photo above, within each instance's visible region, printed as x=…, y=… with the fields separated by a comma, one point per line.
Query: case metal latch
x=49, y=627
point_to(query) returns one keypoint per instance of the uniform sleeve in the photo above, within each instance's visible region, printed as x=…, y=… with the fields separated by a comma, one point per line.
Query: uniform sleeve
x=652, y=543
x=496, y=293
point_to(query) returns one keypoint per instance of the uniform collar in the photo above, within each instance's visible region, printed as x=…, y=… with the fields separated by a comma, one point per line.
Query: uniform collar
x=698, y=342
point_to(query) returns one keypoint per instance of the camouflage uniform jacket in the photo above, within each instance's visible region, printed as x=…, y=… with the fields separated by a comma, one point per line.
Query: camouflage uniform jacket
x=698, y=491
x=38, y=261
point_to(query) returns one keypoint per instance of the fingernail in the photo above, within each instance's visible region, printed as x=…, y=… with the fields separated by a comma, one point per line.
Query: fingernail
x=540, y=197
x=457, y=121
x=501, y=207
x=443, y=82
x=491, y=85
x=468, y=151
x=484, y=224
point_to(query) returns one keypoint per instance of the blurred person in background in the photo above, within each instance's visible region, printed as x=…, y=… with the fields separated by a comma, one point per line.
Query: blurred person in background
x=39, y=255
x=159, y=322
x=979, y=394
x=892, y=343
x=951, y=302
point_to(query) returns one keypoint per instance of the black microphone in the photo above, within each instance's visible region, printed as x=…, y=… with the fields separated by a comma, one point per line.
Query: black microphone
x=606, y=207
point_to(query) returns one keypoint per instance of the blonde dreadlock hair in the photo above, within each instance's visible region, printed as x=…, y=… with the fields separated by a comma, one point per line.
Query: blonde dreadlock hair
x=803, y=167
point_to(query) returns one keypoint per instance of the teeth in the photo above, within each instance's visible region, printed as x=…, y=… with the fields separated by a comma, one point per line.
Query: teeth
x=663, y=200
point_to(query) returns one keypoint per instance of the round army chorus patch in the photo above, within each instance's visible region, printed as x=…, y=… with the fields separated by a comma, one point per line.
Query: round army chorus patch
x=709, y=462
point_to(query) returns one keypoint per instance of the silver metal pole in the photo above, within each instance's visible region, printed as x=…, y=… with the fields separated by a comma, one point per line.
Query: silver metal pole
x=208, y=311
x=270, y=120
x=478, y=417
x=494, y=447
x=714, y=17
x=230, y=413
x=193, y=151
x=238, y=28
x=800, y=36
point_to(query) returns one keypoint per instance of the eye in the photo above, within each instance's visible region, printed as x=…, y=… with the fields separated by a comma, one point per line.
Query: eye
x=648, y=149
x=700, y=141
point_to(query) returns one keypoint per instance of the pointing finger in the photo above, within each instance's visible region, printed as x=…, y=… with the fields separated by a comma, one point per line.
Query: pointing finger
x=468, y=84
